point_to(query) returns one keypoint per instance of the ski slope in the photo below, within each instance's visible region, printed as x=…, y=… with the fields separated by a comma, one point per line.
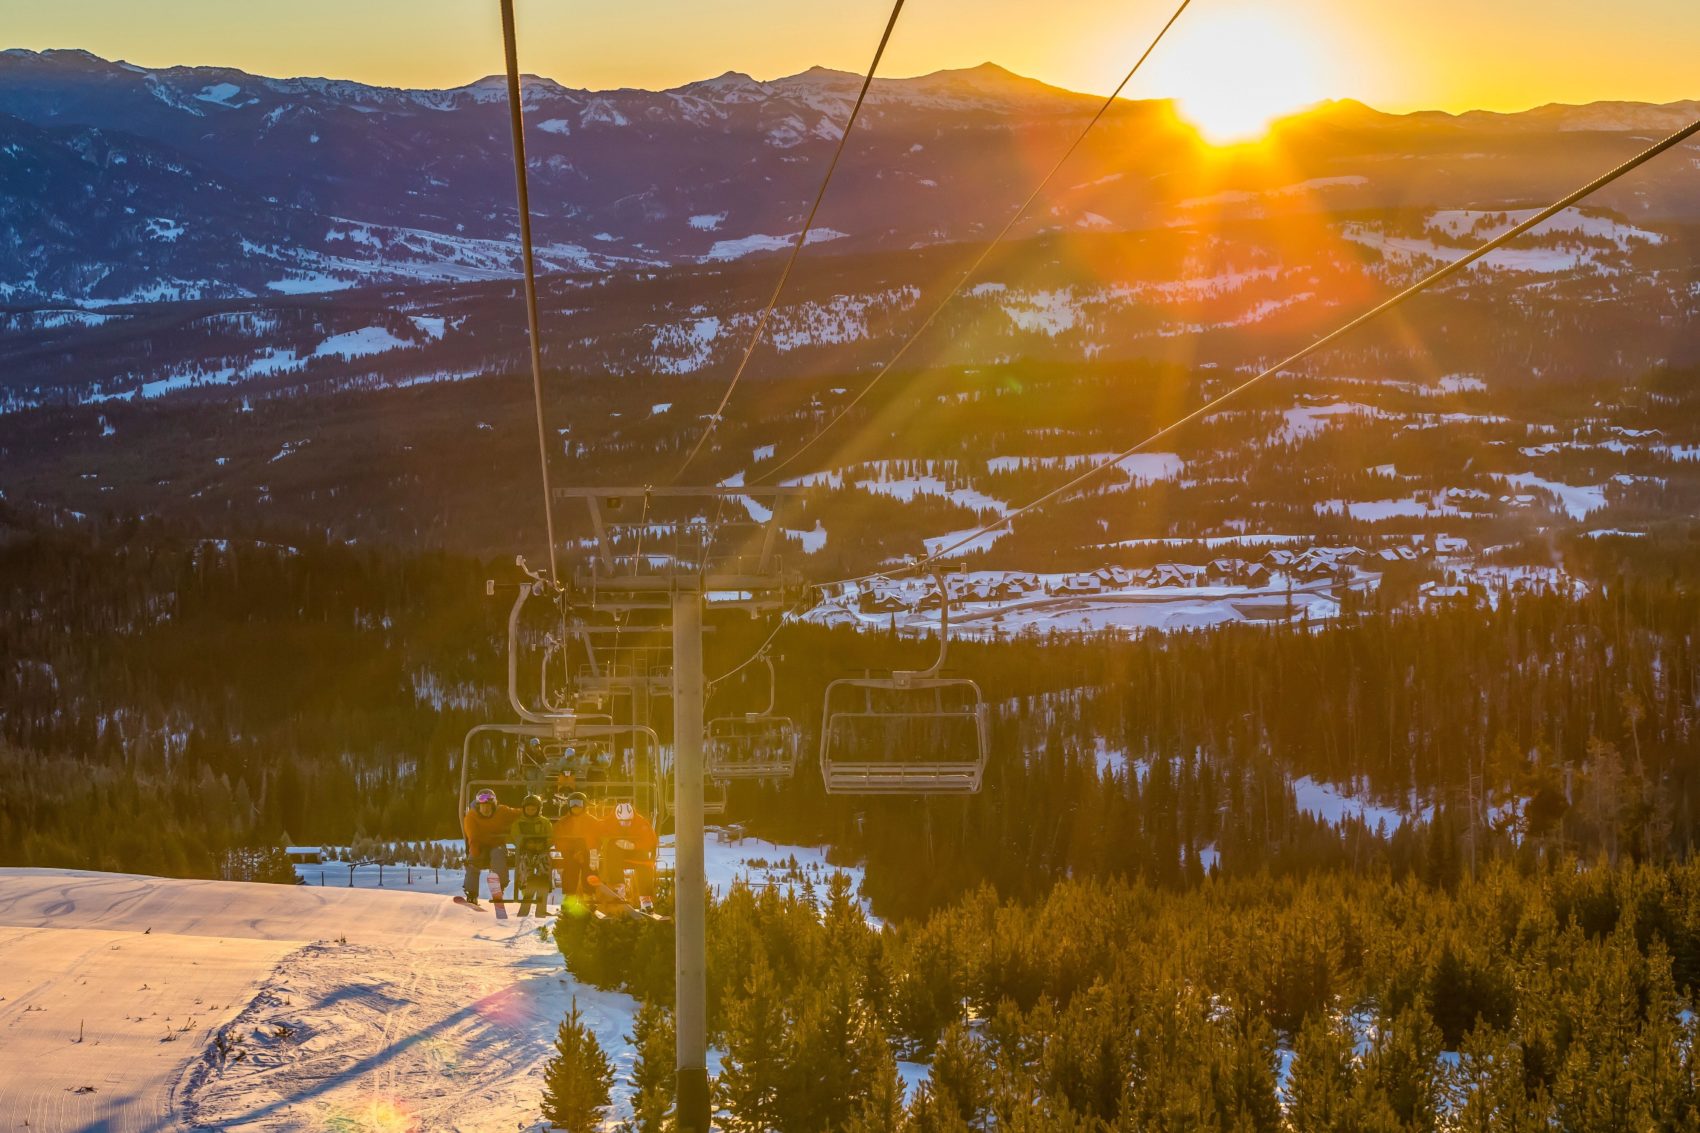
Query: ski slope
x=339, y=1008
x=328, y=1005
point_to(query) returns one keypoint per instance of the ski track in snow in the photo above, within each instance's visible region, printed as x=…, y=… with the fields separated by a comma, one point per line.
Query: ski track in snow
x=361, y=1000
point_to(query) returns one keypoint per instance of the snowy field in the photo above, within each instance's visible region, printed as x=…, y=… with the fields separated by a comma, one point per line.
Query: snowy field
x=225, y=1005
x=1128, y=609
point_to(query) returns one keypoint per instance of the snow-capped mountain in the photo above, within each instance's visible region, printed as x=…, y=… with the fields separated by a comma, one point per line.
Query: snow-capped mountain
x=122, y=184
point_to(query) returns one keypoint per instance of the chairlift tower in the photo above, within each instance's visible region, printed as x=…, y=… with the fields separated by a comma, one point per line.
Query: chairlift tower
x=657, y=552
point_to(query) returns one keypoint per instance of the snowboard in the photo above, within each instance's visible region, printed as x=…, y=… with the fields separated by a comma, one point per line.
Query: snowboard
x=493, y=882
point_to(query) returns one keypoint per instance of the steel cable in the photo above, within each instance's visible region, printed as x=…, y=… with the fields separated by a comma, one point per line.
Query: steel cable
x=1380, y=309
x=979, y=260
x=796, y=249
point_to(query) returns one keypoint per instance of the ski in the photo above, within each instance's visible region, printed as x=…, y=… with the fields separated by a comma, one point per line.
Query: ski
x=604, y=893
x=494, y=884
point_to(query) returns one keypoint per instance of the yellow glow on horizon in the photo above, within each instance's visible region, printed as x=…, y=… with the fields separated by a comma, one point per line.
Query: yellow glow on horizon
x=1448, y=55
x=1236, y=70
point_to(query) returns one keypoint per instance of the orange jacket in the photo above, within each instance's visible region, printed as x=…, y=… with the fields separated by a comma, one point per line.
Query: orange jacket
x=583, y=829
x=640, y=834
x=485, y=834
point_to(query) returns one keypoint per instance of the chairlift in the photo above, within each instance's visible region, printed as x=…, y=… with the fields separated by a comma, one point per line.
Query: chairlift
x=715, y=796
x=912, y=733
x=609, y=763
x=755, y=745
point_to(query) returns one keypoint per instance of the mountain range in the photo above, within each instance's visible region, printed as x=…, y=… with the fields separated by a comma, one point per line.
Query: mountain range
x=121, y=184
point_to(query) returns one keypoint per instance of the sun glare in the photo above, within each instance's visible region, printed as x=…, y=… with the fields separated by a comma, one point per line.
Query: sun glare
x=1235, y=71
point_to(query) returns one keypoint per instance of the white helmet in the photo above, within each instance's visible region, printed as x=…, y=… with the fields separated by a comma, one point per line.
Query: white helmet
x=624, y=813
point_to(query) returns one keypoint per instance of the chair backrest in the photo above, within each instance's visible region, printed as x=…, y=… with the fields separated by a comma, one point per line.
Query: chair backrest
x=908, y=734
x=752, y=746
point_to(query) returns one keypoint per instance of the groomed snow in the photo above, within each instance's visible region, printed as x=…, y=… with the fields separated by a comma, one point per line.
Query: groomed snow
x=428, y=1011
x=363, y=999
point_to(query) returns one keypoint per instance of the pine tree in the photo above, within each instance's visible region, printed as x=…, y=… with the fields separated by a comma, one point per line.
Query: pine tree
x=1319, y=1091
x=578, y=1081
x=749, y=1081
x=653, y=1071
x=878, y=1088
x=961, y=1080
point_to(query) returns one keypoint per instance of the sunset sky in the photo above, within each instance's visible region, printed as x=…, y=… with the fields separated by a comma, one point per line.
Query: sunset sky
x=1439, y=54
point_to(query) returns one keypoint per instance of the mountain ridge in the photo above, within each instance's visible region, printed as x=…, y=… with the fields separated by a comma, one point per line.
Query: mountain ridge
x=109, y=172
x=988, y=69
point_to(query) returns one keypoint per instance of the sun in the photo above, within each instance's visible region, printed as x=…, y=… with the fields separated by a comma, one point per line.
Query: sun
x=1233, y=71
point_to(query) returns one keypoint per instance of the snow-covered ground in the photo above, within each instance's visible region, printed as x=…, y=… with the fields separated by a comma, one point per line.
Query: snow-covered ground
x=337, y=1008
x=1329, y=803
x=373, y=1006
x=1049, y=604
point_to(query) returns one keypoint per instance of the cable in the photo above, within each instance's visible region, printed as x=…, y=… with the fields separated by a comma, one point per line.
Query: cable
x=796, y=248
x=987, y=251
x=510, y=47
x=784, y=620
x=1386, y=305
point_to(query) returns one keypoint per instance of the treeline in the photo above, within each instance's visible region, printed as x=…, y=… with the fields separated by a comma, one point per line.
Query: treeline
x=1528, y=998
x=1544, y=724
x=166, y=698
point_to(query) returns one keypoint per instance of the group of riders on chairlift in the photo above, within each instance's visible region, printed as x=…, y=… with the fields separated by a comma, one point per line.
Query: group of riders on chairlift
x=624, y=841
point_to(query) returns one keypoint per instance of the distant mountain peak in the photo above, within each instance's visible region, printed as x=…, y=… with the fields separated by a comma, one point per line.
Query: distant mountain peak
x=728, y=83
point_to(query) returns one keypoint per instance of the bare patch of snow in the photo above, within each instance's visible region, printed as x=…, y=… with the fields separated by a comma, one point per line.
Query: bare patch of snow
x=359, y=343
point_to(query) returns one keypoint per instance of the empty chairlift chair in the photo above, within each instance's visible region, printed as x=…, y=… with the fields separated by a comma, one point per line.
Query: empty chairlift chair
x=912, y=733
x=756, y=745
x=714, y=797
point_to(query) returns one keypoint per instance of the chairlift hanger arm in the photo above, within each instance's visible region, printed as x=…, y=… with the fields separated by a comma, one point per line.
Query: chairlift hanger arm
x=525, y=593
x=944, y=635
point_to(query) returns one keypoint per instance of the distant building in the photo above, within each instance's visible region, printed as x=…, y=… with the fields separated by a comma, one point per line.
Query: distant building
x=882, y=602
x=1078, y=584
x=305, y=855
x=1224, y=570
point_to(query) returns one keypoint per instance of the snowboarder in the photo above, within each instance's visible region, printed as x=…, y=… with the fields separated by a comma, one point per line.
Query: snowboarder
x=629, y=844
x=577, y=831
x=532, y=834
x=485, y=825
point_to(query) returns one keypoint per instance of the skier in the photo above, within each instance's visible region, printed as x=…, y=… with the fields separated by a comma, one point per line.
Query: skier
x=485, y=825
x=577, y=831
x=532, y=834
x=629, y=844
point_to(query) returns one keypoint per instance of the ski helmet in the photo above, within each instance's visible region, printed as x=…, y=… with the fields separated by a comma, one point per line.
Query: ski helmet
x=624, y=813
x=576, y=802
x=485, y=796
x=531, y=801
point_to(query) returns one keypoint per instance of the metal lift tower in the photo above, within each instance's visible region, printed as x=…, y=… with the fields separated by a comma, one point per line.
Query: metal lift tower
x=658, y=553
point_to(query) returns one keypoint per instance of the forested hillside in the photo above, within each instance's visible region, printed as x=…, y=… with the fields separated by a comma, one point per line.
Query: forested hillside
x=167, y=696
x=1536, y=995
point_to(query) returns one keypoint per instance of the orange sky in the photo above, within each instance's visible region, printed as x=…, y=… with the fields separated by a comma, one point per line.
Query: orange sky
x=1440, y=54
